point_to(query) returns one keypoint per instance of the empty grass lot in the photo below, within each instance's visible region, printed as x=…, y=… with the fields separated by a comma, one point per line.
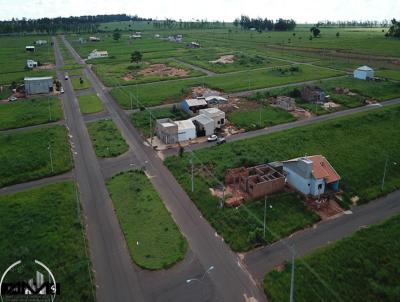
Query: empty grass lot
x=90, y=103
x=158, y=93
x=265, y=116
x=29, y=112
x=356, y=146
x=359, y=268
x=25, y=155
x=77, y=85
x=153, y=239
x=141, y=120
x=43, y=224
x=106, y=139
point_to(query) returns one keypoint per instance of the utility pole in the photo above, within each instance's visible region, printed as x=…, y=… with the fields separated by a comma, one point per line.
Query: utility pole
x=265, y=212
x=130, y=96
x=51, y=159
x=384, y=173
x=48, y=103
x=151, y=129
x=292, y=277
x=191, y=163
x=260, y=117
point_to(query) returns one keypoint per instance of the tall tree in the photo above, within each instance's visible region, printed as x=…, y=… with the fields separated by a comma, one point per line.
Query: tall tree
x=116, y=35
x=136, y=57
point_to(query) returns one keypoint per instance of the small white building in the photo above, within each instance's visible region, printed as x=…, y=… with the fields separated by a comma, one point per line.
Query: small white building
x=218, y=116
x=186, y=130
x=30, y=48
x=95, y=54
x=364, y=73
x=41, y=42
x=31, y=64
x=136, y=35
x=204, y=125
x=94, y=39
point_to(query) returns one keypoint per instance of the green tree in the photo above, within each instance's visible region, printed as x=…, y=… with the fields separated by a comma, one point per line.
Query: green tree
x=337, y=35
x=315, y=31
x=116, y=36
x=394, y=29
x=136, y=57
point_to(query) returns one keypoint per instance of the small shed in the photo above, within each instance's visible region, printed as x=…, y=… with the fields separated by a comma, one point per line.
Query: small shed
x=36, y=85
x=94, y=39
x=186, y=130
x=95, y=54
x=364, y=73
x=285, y=103
x=30, y=48
x=215, y=100
x=31, y=64
x=204, y=125
x=41, y=42
x=218, y=116
x=192, y=106
x=193, y=45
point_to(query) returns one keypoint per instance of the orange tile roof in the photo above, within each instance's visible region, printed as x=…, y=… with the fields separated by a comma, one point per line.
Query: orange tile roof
x=323, y=169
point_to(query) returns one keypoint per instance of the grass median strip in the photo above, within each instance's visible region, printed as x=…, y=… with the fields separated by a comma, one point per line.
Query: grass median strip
x=106, y=139
x=80, y=83
x=23, y=113
x=33, y=154
x=90, y=103
x=153, y=239
x=362, y=267
x=357, y=146
x=45, y=226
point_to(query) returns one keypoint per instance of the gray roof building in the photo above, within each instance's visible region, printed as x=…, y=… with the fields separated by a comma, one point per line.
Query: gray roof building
x=38, y=85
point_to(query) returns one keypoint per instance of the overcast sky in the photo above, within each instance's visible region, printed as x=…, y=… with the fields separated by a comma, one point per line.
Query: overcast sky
x=301, y=11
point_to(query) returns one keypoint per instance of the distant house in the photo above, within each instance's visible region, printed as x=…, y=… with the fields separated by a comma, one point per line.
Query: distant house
x=364, y=73
x=186, y=130
x=204, y=125
x=157, y=36
x=218, y=116
x=94, y=39
x=95, y=54
x=311, y=175
x=215, y=100
x=176, y=38
x=136, y=35
x=37, y=85
x=41, y=42
x=313, y=94
x=31, y=64
x=30, y=48
x=193, y=45
x=285, y=103
x=192, y=106
x=82, y=40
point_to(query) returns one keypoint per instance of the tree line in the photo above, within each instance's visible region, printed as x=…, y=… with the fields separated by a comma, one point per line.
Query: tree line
x=354, y=23
x=260, y=24
x=198, y=24
x=63, y=24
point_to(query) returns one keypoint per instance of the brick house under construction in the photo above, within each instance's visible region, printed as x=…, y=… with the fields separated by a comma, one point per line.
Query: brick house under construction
x=256, y=181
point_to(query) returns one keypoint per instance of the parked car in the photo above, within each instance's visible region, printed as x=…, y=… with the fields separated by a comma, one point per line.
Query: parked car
x=66, y=76
x=212, y=138
x=62, y=90
x=12, y=99
x=221, y=140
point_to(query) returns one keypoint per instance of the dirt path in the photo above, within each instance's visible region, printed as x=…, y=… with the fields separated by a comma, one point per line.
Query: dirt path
x=195, y=67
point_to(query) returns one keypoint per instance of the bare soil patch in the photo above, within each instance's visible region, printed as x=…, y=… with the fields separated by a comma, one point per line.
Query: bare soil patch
x=128, y=77
x=200, y=91
x=163, y=70
x=46, y=66
x=228, y=59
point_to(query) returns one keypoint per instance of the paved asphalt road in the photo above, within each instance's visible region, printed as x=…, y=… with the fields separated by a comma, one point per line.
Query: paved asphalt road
x=263, y=260
x=116, y=277
x=281, y=127
x=230, y=280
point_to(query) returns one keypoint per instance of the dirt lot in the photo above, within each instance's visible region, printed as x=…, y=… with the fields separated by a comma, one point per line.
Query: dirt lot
x=46, y=66
x=163, y=70
x=228, y=59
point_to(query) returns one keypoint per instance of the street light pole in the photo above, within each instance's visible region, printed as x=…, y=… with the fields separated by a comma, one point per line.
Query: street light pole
x=292, y=277
x=48, y=103
x=265, y=213
x=191, y=163
x=384, y=173
x=51, y=159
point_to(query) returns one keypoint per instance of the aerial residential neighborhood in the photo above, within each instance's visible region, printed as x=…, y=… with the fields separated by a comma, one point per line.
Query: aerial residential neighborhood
x=209, y=151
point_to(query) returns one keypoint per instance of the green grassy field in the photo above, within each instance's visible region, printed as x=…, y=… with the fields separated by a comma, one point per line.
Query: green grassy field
x=90, y=103
x=158, y=93
x=29, y=112
x=45, y=226
x=141, y=120
x=25, y=156
x=356, y=146
x=77, y=85
x=153, y=239
x=362, y=267
x=265, y=116
x=391, y=74
x=13, y=57
x=106, y=138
